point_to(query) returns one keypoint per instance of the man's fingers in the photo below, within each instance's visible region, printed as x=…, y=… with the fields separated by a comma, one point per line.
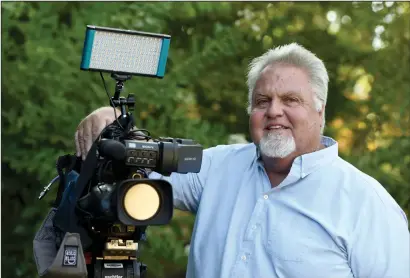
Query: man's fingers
x=108, y=121
x=89, y=130
x=81, y=141
x=88, y=136
x=98, y=126
x=77, y=144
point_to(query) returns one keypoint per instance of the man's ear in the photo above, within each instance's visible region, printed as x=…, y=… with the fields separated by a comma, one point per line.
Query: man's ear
x=322, y=111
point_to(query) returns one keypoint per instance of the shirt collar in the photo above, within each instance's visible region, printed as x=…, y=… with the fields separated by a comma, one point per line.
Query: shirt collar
x=305, y=164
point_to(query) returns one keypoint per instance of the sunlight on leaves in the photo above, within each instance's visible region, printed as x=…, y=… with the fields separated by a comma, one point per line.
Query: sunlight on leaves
x=346, y=19
x=377, y=6
x=331, y=16
x=337, y=123
x=362, y=88
x=371, y=146
x=361, y=125
x=345, y=139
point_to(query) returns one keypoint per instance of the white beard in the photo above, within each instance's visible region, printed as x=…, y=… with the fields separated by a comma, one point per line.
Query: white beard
x=276, y=145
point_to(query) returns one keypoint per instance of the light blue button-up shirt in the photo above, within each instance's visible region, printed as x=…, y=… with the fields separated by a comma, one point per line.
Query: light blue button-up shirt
x=326, y=219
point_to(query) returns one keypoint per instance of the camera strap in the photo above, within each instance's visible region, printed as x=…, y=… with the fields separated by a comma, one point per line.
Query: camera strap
x=65, y=218
x=87, y=171
x=65, y=164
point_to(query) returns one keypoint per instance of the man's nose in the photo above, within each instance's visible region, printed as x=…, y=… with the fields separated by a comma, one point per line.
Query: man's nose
x=275, y=109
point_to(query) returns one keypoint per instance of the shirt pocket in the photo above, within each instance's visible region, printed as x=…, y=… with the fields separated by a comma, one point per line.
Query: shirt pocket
x=286, y=238
x=286, y=244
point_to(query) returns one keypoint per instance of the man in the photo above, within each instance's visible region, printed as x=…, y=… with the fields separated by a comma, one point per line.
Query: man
x=285, y=205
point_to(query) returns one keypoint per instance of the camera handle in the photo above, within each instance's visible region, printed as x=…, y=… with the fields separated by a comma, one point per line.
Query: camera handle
x=125, y=118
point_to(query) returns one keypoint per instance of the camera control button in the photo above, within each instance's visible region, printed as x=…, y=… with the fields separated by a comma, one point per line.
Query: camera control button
x=130, y=160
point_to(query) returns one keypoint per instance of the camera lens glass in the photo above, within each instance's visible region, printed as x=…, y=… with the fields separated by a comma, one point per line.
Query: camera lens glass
x=141, y=201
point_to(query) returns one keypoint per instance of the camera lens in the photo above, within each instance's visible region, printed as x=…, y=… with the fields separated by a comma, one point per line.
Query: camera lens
x=141, y=201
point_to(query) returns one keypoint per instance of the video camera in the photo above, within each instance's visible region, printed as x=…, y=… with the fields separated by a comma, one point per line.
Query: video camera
x=105, y=203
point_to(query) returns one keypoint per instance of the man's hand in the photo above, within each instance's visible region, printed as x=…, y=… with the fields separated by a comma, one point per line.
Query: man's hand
x=90, y=128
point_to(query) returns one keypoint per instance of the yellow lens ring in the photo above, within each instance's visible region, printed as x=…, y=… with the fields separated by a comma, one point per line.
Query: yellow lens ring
x=141, y=201
x=137, y=176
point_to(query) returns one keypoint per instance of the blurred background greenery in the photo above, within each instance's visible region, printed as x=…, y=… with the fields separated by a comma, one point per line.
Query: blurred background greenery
x=365, y=46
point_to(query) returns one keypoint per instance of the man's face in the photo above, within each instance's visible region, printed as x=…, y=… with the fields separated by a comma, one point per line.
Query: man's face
x=284, y=119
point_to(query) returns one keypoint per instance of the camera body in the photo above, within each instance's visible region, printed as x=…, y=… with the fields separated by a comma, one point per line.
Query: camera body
x=123, y=165
x=166, y=156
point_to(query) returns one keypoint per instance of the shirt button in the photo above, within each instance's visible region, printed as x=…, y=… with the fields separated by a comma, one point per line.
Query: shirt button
x=265, y=197
x=243, y=258
x=254, y=227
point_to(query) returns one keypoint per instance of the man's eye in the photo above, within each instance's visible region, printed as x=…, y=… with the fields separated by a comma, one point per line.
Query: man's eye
x=261, y=101
x=291, y=100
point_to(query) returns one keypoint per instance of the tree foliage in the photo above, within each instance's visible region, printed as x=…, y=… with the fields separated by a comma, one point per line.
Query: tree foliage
x=203, y=96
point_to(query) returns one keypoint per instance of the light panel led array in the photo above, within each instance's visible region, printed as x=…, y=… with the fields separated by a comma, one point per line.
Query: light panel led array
x=125, y=51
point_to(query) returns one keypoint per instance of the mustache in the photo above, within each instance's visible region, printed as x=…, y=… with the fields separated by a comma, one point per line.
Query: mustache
x=275, y=134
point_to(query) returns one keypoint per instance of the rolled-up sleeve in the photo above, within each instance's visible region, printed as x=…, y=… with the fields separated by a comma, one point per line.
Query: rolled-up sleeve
x=380, y=243
x=187, y=188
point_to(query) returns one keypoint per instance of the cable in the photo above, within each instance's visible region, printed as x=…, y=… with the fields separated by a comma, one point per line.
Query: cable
x=138, y=134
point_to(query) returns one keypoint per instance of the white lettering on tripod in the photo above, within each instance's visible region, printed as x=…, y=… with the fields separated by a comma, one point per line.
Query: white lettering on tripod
x=113, y=265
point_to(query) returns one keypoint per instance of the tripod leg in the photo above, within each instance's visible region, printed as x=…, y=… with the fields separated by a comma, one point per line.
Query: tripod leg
x=139, y=270
x=98, y=269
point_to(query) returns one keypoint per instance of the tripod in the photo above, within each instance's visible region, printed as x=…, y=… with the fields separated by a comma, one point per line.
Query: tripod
x=116, y=257
x=120, y=265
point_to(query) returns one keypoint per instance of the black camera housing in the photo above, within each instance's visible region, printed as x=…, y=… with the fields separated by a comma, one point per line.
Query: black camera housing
x=166, y=156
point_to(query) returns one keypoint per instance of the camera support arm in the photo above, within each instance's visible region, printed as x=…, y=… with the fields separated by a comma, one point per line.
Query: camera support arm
x=125, y=119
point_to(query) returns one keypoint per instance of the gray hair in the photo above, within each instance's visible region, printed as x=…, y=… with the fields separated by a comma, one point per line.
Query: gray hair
x=297, y=55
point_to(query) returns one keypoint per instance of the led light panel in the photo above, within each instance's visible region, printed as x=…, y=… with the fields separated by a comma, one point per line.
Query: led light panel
x=125, y=51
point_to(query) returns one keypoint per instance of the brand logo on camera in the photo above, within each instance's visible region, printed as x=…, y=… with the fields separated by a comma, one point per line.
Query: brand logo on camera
x=147, y=147
x=190, y=158
x=113, y=276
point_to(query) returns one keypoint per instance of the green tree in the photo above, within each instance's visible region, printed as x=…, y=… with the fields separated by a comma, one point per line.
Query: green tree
x=203, y=95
